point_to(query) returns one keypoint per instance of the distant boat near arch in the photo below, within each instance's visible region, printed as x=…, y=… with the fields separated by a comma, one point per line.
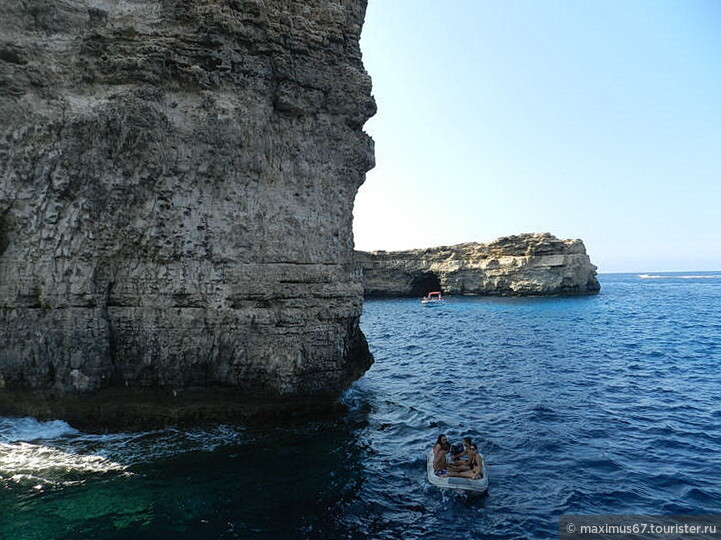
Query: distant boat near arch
x=434, y=298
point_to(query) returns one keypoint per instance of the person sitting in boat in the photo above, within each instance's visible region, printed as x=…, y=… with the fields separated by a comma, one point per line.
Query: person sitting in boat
x=457, y=458
x=440, y=453
x=475, y=466
x=460, y=459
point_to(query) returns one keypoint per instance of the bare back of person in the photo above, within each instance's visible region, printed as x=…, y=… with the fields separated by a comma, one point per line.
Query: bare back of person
x=440, y=451
x=439, y=458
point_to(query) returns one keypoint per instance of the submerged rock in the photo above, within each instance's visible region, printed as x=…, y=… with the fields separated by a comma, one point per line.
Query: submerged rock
x=177, y=181
x=522, y=265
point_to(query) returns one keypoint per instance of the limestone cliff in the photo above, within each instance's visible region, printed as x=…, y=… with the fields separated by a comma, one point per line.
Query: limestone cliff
x=523, y=265
x=177, y=181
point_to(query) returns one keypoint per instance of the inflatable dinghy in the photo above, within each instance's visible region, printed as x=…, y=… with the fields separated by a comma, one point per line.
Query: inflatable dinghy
x=453, y=482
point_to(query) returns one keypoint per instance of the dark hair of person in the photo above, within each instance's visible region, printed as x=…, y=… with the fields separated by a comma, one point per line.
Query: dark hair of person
x=467, y=440
x=444, y=445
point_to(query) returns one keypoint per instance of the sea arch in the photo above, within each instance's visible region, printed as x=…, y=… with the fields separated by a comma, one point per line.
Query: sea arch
x=424, y=283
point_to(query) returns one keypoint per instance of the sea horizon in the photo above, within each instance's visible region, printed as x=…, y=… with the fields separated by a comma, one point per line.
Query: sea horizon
x=650, y=272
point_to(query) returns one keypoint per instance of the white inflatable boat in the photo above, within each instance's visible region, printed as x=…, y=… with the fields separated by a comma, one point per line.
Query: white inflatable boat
x=453, y=482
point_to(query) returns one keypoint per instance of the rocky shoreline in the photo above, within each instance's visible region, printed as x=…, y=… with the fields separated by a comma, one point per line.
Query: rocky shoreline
x=520, y=265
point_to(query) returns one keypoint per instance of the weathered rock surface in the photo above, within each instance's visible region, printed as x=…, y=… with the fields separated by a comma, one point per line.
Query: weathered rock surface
x=177, y=181
x=523, y=265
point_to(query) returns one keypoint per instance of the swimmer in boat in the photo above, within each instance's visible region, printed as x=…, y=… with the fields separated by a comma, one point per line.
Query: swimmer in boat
x=440, y=451
x=475, y=466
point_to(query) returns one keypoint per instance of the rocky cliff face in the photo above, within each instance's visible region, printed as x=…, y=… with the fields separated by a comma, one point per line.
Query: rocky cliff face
x=176, y=189
x=524, y=265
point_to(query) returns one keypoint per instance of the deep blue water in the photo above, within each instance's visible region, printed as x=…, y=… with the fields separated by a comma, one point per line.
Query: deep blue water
x=589, y=405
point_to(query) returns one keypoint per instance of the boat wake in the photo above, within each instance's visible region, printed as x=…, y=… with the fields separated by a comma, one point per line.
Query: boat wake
x=40, y=454
x=40, y=466
x=31, y=456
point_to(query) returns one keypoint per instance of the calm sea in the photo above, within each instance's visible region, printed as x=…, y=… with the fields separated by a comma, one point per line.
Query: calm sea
x=607, y=404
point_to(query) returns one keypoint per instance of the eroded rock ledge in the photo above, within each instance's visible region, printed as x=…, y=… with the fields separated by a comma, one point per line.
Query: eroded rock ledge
x=522, y=265
x=177, y=181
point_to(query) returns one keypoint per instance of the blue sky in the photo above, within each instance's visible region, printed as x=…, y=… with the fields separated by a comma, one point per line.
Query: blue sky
x=592, y=120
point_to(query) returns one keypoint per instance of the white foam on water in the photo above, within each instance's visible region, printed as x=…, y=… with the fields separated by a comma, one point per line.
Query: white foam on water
x=38, y=465
x=34, y=454
x=14, y=429
x=27, y=458
x=147, y=446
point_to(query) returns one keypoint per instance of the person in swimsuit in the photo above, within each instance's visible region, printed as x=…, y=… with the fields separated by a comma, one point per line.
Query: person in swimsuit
x=440, y=450
x=457, y=463
x=475, y=463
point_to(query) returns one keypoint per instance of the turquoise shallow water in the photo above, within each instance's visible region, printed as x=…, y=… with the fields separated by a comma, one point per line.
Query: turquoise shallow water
x=591, y=405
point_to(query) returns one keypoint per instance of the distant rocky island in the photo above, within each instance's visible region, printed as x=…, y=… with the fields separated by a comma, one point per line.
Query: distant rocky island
x=521, y=265
x=176, y=192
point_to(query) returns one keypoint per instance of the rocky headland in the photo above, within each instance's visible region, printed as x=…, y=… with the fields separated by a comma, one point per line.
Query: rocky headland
x=522, y=265
x=177, y=181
